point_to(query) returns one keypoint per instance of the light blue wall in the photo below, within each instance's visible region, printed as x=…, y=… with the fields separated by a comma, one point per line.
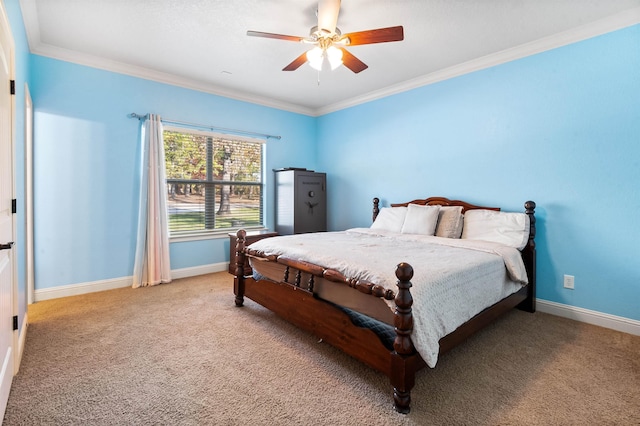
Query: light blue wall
x=21, y=76
x=561, y=128
x=86, y=165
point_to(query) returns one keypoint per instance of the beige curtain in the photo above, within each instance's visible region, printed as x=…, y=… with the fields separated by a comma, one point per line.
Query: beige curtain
x=151, y=264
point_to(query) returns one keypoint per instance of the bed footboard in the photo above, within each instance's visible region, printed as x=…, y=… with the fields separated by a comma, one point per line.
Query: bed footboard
x=333, y=325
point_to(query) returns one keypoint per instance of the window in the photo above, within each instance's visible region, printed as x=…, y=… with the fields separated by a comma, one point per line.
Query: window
x=214, y=182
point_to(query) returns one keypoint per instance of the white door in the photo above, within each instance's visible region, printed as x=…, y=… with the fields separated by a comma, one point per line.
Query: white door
x=6, y=218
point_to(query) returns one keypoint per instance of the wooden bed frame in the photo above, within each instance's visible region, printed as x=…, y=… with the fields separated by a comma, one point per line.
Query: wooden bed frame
x=335, y=327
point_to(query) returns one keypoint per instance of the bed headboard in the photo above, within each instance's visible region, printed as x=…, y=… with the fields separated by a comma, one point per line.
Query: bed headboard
x=528, y=252
x=445, y=202
x=432, y=201
x=529, y=207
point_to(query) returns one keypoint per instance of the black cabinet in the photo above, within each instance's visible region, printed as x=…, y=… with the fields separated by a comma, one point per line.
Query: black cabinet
x=301, y=201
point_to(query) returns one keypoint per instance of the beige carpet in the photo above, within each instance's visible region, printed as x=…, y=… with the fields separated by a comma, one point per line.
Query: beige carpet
x=183, y=354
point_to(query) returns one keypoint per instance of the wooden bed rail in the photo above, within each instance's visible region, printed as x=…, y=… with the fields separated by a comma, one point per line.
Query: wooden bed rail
x=313, y=270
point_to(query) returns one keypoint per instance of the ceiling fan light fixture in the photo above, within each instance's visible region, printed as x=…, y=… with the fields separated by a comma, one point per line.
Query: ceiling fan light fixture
x=315, y=57
x=334, y=55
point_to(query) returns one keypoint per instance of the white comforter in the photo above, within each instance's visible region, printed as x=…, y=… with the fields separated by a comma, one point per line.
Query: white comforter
x=453, y=279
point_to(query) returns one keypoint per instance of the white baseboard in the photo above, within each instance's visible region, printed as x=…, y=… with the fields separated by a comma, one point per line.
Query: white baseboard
x=199, y=270
x=626, y=325
x=613, y=322
x=82, y=288
x=110, y=284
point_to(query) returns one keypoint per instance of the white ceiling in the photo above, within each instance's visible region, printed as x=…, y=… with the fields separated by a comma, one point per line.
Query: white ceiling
x=202, y=44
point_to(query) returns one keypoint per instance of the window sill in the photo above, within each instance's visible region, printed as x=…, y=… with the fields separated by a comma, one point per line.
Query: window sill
x=208, y=235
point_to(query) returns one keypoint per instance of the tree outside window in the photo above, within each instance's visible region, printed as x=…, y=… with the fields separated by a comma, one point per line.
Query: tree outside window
x=214, y=181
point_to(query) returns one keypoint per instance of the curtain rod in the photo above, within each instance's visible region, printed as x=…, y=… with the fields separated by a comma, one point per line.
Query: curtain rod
x=205, y=126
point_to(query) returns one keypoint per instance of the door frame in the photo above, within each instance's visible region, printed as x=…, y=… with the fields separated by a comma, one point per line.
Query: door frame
x=4, y=21
x=28, y=197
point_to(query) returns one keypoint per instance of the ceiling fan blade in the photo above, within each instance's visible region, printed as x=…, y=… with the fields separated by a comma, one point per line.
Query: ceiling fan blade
x=328, y=11
x=276, y=36
x=380, y=35
x=297, y=63
x=351, y=62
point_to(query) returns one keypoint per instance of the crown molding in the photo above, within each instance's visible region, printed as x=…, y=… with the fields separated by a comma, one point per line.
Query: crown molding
x=31, y=22
x=55, y=52
x=612, y=23
x=584, y=32
x=32, y=27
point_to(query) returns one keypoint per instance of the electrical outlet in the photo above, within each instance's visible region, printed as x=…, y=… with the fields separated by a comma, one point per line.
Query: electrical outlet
x=569, y=281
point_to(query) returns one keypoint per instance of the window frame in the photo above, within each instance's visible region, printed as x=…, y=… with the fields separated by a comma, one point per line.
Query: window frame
x=220, y=233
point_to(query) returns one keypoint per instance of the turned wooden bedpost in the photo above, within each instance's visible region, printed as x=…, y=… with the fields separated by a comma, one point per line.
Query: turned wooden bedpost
x=402, y=373
x=238, y=281
x=376, y=208
x=529, y=257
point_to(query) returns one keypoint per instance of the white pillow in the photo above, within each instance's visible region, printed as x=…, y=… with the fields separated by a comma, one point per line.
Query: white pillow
x=450, y=221
x=510, y=229
x=390, y=219
x=420, y=219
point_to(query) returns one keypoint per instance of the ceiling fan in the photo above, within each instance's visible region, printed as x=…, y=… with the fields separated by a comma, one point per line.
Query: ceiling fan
x=330, y=43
